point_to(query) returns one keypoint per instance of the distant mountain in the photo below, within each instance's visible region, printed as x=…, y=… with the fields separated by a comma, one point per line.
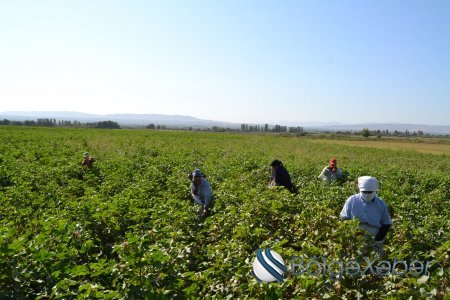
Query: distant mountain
x=122, y=119
x=308, y=124
x=71, y=115
x=154, y=117
x=48, y=114
x=188, y=121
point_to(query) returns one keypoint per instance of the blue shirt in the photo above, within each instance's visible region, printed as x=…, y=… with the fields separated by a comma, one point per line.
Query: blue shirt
x=203, y=193
x=374, y=213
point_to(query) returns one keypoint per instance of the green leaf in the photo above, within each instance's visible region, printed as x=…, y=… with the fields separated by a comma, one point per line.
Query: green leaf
x=79, y=270
x=423, y=279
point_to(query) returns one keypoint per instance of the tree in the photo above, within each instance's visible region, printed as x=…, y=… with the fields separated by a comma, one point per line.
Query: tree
x=365, y=132
x=29, y=123
x=150, y=126
x=296, y=129
x=108, y=125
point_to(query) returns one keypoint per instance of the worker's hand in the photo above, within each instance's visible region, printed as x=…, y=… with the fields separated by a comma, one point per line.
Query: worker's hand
x=204, y=213
x=378, y=247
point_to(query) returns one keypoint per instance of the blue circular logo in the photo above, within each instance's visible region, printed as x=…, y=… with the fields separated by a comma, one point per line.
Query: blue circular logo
x=268, y=266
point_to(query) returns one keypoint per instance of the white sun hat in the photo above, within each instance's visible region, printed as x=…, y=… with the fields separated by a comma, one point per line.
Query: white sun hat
x=368, y=183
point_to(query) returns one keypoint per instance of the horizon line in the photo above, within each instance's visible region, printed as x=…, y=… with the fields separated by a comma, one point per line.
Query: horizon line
x=324, y=123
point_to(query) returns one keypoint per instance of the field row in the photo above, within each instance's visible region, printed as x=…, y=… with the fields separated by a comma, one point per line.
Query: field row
x=127, y=228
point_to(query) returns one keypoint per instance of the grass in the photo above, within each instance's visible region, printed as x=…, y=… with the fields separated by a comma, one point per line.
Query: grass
x=423, y=146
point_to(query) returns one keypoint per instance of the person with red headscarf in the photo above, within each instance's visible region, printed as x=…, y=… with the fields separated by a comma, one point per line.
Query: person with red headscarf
x=331, y=172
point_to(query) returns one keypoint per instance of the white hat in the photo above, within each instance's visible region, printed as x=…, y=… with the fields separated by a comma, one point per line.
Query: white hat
x=368, y=183
x=197, y=173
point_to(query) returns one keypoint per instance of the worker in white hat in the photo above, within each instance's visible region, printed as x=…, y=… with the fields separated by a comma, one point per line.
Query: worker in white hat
x=370, y=210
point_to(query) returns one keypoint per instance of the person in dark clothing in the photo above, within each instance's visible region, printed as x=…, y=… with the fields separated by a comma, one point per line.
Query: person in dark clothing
x=88, y=161
x=280, y=176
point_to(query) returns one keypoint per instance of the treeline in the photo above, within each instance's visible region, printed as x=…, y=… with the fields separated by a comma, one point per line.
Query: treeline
x=61, y=123
x=46, y=122
x=153, y=126
x=271, y=128
x=190, y=128
x=244, y=128
x=365, y=132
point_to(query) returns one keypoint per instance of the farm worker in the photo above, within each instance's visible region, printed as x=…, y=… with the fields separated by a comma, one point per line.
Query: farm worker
x=331, y=172
x=201, y=192
x=370, y=210
x=88, y=161
x=280, y=176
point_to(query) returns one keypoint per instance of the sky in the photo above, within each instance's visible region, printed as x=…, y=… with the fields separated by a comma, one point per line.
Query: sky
x=230, y=60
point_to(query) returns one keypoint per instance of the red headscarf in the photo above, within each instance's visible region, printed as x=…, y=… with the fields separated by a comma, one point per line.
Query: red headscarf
x=333, y=163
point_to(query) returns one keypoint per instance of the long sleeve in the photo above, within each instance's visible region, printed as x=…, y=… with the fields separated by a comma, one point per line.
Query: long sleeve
x=282, y=178
x=386, y=223
x=386, y=218
x=346, y=213
x=207, y=193
x=192, y=191
x=322, y=174
x=382, y=232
